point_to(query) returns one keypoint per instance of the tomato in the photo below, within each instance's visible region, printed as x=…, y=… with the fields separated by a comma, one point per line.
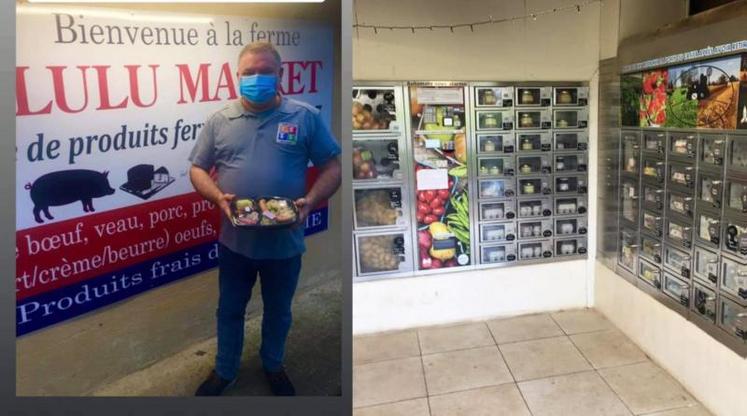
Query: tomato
x=451, y=182
x=436, y=203
x=436, y=264
x=424, y=208
x=443, y=194
x=421, y=196
x=429, y=219
x=438, y=211
x=419, y=216
x=429, y=194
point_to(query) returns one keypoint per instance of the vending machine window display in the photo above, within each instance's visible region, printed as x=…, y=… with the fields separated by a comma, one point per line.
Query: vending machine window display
x=450, y=175
x=440, y=158
x=684, y=151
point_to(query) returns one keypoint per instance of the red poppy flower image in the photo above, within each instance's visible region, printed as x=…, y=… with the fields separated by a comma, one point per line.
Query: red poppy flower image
x=654, y=98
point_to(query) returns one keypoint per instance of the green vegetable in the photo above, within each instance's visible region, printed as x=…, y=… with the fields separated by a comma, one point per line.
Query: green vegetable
x=459, y=171
x=458, y=221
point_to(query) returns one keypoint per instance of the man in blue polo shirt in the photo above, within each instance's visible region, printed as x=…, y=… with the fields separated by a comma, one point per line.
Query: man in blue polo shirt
x=260, y=145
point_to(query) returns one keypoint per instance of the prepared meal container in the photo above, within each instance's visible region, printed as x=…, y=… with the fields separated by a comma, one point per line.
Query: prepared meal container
x=264, y=212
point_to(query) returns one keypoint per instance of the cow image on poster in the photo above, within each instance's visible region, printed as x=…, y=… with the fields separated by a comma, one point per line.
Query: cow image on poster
x=65, y=187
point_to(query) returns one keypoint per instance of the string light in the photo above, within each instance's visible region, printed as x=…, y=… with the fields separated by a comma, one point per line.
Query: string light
x=473, y=25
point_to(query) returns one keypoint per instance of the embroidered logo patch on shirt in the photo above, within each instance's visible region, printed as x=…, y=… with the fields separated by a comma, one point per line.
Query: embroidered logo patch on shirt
x=287, y=133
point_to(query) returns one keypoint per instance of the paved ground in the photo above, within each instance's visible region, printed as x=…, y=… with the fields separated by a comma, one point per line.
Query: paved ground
x=570, y=363
x=312, y=356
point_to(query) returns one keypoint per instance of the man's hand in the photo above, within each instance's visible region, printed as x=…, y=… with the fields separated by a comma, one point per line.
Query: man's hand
x=224, y=203
x=304, y=206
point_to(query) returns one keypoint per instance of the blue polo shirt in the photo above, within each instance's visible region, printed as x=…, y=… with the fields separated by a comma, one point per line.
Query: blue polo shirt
x=264, y=154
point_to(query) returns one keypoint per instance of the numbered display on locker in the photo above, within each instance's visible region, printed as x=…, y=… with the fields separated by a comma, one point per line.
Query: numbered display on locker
x=496, y=188
x=571, y=226
x=537, y=228
x=649, y=273
x=534, y=164
x=534, y=185
x=570, y=246
x=496, y=166
x=736, y=195
x=706, y=266
x=653, y=197
x=708, y=228
x=571, y=184
x=733, y=318
x=627, y=256
x=712, y=151
x=494, y=96
x=570, y=96
x=536, y=141
x=678, y=232
x=533, y=96
x=571, y=140
x=497, y=210
x=534, y=250
x=677, y=289
x=495, y=120
x=383, y=253
x=571, y=205
x=376, y=159
x=501, y=253
x=378, y=207
x=736, y=162
x=496, y=143
x=570, y=118
x=735, y=236
x=650, y=249
x=709, y=190
x=734, y=279
x=497, y=232
x=532, y=119
x=683, y=145
x=535, y=207
x=652, y=223
x=654, y=142
x=704, y=302
x=571, y=162
x=376, y=110
x=677, y=261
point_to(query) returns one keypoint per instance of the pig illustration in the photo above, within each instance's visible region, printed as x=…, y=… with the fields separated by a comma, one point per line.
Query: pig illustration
x=65, y=187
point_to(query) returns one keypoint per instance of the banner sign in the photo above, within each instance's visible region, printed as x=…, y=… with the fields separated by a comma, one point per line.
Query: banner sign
x=109, y=104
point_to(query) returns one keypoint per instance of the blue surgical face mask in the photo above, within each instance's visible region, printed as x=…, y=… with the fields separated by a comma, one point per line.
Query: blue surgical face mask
x=258, y=88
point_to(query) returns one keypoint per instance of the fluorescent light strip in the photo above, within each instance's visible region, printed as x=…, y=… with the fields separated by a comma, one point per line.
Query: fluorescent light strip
x=174, y=1
x=111, y=14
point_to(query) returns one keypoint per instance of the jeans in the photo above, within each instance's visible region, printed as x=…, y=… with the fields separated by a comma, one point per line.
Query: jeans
x=237, y=274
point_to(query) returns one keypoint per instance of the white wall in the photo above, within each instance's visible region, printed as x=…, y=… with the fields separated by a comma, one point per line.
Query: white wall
x=562, y=46
x=710, y=371
x=465, y=296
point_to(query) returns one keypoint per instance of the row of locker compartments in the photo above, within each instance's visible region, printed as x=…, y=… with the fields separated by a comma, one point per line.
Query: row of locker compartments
x=531, y=186
x=532, y=164
x=710, y=150
x=713, y=306
x=493, y=232
x=531, y=119
x=392, y=252
x=523, y=96
x=722, y=271
x=709, y=189
x=533, y=250
x=728, y=233
x=509, y=142
x=382, y=206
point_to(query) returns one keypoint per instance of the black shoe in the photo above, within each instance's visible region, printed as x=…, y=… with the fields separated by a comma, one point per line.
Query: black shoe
x=280, y=384
x=214, y=385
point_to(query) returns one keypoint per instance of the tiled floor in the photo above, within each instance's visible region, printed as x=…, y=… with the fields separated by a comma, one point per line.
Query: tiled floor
x=572, y=363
